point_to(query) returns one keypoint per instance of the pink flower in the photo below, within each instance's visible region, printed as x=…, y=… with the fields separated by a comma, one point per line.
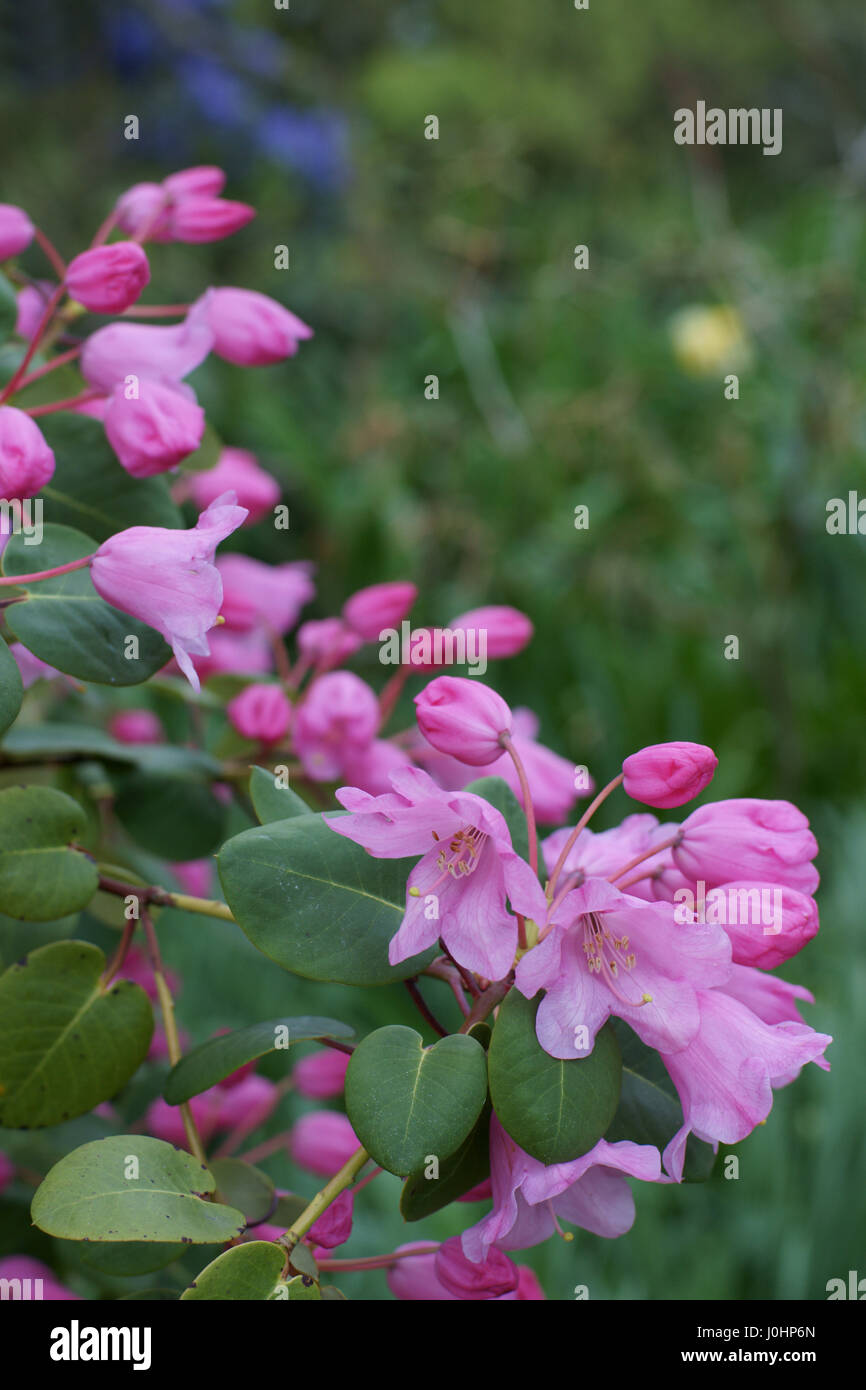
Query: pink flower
x=610, y=953
x=168, y=578
x=528, y=1196
x=463, y=718
x=143, y=211
x=322, y=1141
x=32, y=301
x=467, y=1279
x=256, y=594
x=380, y=606
x=334, y=1226
x=164, y=1121
x=195, y=876
x=32, y=668
x=7, y=1171
x=136, y=726
x=669, y=774
x=726, y=1074
x=772, y=999
x=414, y=1279
x=199, y=219
x=322, y=1074
x=507, y=630
x=237, y=471
x=16, y=230
x=746, y=838
x=153, y=431
x=326, y=642
x=202, y=181
x=370, y=767
x=339, y=712
x=26, y=462
x=25, y=1267
x=599, y=854
x=252, y=330
x=121, y=350
x=235, y=653
x=458, y=889
x=757, y=938
x=261, y=712
x=246, y=1103
x=108, y=279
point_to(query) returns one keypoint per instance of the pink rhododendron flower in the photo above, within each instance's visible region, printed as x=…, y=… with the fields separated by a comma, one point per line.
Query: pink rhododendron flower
x=32, y=302
x=261, y=712
x=491, y=1277
x=772, y=999
x=168, y=578
x=467, y=870
x=25, y=1267
x=610, y=953
x=26, y=462
x=380, y=606
x=370, y=767
x=32, y=668
x=199, y=219
x=147, y=351
x=726, y=1074
x=235, y=653
x=108, y=279
x=669, y=774
x=256, y=594
x=136, y=726
x=416, y=1280
x=463, y=718
x=322, y=1074
x=748, y=911
x=164, y=1121
x=339, y=712
x=322, y=1142
x=334, y=1226
x=507, y=631
x=252, y=330
x=246, y=1103
x=202, y=181
x=326, y=642
x=16, y=231
x=154, y=430
x=529, y=1196
x=237, y=471
x=769, y=841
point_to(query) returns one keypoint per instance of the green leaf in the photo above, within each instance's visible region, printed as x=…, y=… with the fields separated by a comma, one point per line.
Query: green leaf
x=466, y=1168
x=407, y=1102
x=316, y=903
x=90, y=489
x=246, y=1272
x=245, y=1187
x=500, y=795
x=176, y=817
x=8, y=309
x=214, y=1060
x=288, y=1209
x=17, y=937
x=66, y=1043
x=129, y=1258
x=301, y=1288
x=555, y=1110
x=41, y=877
x=649, y=1110
x=11, y=688
x=65, y=622
x=303, y=1261
x=92, y=1194
x=60, y=739
x=272, y=802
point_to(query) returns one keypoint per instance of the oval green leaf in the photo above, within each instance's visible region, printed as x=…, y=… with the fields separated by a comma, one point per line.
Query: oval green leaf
x=246, y=1272
x=271, y=802
x=11, y=688
x=217, y=1058
x=41, y=876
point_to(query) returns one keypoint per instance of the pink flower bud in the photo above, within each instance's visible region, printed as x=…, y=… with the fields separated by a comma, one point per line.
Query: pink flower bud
x=7, y=1171
x=237, y=471
x=26, y=462
x=491, y=1278
x=463, y=718
x=261, y=712
x=16, y=230
x=326, y=641
x=414, y=1279
x=195, y=876
x=767, y=923
x=256, y=594
x=334, y=1226
x=748, y=838
x=164, y=1121
x=252, y=330
x=202, y=181
x=136, y=726
x=143, y=211
x=340, y=712
x=528, y=1287
x=108, y=279
x=322, y=1074
x=152, y=432
x=246, y=1104
x=669, y=774
x=322, y=1142
x=198, y=219
x=32, y=301
x=371, y=610
x=507, y=629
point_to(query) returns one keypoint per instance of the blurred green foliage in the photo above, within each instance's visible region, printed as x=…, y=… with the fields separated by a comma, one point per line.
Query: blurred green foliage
x=558, y=388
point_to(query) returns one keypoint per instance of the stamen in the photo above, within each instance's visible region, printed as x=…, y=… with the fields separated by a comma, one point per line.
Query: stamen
x=566, y=1235
x=609, y=956
x=460, y=858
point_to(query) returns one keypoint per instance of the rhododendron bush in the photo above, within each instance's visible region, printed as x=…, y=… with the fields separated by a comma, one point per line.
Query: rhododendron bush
x=594, y=1009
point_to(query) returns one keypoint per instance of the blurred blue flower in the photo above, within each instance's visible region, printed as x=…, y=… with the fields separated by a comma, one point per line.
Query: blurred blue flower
x=219, y=94
x=312, y=143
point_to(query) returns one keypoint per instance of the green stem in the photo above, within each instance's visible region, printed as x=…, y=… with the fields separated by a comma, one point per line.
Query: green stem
x=163, y=897
x=322, y=1200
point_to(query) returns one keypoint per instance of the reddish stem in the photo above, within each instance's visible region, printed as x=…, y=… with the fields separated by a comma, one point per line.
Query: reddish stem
x=48, y=313
x=58, y=264
x=46, y=574
x=59, y=361
x=53, y=406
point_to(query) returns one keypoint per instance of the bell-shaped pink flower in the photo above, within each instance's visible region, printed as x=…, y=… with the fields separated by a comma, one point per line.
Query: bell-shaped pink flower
x=747, y=838
x=199, y=219
x=16, y=230
x=26, y=462
x=380, y=606
x=339, y=712
x=322, y=1141
x=463, y=718
x=120, y=351
x=669, y=774
x=322, y=1074
x=467, y=1279
x=168, y=578
x=252, y=330
x=506, y=630
x=136, y=726
x=108, y=279
x=237, y=471
x=261, y=712
x=154, y=430
x=266, y=596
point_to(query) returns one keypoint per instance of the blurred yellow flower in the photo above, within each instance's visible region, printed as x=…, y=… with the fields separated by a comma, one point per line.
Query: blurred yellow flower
x=709, y=338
